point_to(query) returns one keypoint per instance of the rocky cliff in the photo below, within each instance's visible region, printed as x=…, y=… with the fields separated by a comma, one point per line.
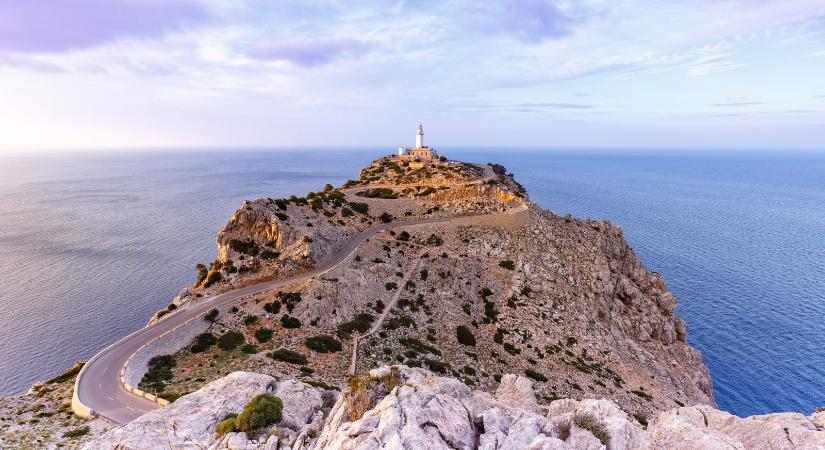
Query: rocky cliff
x=407, y=408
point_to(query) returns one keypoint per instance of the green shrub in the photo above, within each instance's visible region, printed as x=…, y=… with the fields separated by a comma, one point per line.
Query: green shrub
x=535, y=375
x=465, y=336
x=262, y=410
x=246, y=247
x=385, y=193
x=226, y=425
x=249, y=349
x=273, y=308
x=269, y=254
x=288, y=321
x=346, y=212
x=385, y=217
x=290, y=299
x=289, y=356
x=361, y=208
x=249, y=320
x=641, y=419
x=76, y=433
x=212, y=278
x=202, y=273
x=508, y=264
x=159, y=371
x=360, y=324
x=263, y=334
x=420, y=347
x=403, y=236
x=230, y=340
x=391, y=285
x=202, y=342
x=323, y=344
x=211, y=316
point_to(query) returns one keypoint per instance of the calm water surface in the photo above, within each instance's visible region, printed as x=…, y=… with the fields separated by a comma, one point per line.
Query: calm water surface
x=91, y=245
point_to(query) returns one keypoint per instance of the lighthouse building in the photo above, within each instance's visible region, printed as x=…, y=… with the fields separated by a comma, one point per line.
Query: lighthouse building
x=420, y=151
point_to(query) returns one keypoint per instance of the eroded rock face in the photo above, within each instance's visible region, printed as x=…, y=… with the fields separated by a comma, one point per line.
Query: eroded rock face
x=190, y=421
x=425, y=411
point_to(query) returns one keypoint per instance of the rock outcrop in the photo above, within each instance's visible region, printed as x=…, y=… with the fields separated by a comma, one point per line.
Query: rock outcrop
x=420, y=410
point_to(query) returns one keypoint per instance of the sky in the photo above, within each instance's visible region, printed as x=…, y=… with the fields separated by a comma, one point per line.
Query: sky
x=110, y=74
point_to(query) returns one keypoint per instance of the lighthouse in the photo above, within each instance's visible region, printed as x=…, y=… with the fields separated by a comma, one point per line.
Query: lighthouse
x=419, y=136
x=420, y=151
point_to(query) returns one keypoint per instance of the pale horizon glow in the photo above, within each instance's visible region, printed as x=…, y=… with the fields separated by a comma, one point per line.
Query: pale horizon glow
x=704, y=74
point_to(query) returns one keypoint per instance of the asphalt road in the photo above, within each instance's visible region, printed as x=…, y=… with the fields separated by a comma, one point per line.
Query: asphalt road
x=98, y=384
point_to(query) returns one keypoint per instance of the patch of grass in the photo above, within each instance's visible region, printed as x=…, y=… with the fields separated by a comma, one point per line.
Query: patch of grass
x=261, y=411
x=263, y=334
x=76, y=433
x=508, y=264
x=288, y=356
x=323, y=344
x=68, y=374
x=465, y=336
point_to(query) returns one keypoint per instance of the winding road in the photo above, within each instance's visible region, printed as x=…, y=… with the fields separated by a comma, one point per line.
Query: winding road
x=98, y=389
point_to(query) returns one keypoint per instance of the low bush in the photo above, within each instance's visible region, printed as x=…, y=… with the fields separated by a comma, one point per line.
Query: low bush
x=420, y=347
x=346, y=212
x=202, y=273
x=211, y=316
x=261, y=411
x=226, y=425
x=323, y=344
x=246, y=247
x=230, y=340
x=288, y=321
x=250, y=320
x=68, y=374
x=202, y=342
x=269, y=254
x=391, y=285
x=273, y=308
x=535, y=375
x=212, y=278
x=361, y=208
x=263, y=334
x=159, y=371
x=508, y=264
x=403, y=236
x=360, y=324
x=385, y=217
x=384, y=193
x=249, y=349
x=288, y=356
x=465, y=336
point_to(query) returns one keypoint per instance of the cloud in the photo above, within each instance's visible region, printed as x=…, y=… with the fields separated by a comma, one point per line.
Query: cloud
x=42, y=26
x=526, y=20
x=738, y=104
x=29, y=64
x=311, y=53
x=548, y=105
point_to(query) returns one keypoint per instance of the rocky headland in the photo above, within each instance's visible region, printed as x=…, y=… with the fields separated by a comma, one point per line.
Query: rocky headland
x=469, y=318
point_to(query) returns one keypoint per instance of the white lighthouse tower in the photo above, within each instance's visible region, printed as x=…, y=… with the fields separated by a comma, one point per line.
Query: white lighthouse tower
x=420, y=152
x=419, y=136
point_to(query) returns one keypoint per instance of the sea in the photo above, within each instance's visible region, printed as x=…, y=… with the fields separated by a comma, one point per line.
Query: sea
x=92, y=243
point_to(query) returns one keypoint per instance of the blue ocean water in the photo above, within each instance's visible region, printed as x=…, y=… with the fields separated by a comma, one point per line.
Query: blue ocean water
x=91, y=245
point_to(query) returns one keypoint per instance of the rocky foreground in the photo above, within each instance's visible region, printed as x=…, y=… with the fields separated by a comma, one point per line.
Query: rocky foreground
x=399, y=407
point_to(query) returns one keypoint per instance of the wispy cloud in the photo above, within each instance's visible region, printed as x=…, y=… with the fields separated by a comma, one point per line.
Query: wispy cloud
x=29, y=64
x=310, y=53
x=738, y=104
x=525, y=20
